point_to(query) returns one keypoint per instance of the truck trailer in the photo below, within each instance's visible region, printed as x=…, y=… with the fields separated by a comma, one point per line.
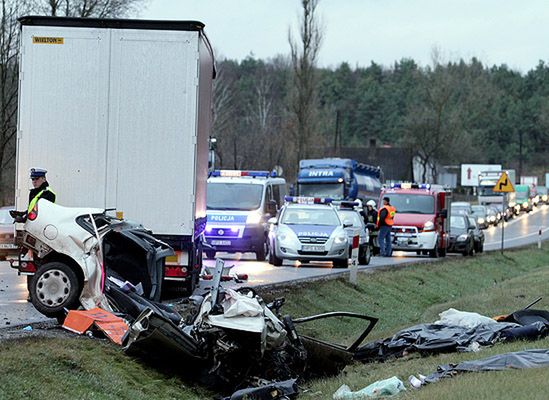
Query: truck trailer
x=339, y=179
x=119, y=112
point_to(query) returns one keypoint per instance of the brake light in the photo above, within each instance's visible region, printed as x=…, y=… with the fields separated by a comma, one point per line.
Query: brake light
x=33, y=214
x=175, y=271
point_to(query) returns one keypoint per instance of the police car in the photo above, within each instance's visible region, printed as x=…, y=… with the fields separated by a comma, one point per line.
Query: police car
x=308, y=229
x=349, y=212
x=239, y=203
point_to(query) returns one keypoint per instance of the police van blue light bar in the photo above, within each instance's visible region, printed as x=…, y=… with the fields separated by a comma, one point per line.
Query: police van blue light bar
x=349, y=204
x=237, y=173
x=307, y=200
x=407, y=185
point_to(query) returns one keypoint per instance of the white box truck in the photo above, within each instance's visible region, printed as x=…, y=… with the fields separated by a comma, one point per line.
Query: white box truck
x=119, y=112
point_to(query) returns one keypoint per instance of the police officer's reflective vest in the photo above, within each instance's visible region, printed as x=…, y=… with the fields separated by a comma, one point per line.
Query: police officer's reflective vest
x=390, y=215
x=37, y=197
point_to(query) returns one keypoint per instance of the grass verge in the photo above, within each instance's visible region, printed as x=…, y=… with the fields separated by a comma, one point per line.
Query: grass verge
x=79, y=368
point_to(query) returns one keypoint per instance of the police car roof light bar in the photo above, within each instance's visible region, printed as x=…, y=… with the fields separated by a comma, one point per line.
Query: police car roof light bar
x=349, y=204
x=408, y=185
x=308, y=200
x=237, y=173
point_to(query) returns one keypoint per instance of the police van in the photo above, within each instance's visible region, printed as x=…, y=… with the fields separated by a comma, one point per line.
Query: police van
x=239, y=204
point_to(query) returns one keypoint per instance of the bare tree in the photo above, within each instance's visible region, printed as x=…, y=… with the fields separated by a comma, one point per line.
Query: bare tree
x=90, y=8
x=304, y=56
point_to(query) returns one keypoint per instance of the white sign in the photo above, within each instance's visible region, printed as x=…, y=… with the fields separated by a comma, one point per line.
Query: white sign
x=469, y=172
x=529, y=180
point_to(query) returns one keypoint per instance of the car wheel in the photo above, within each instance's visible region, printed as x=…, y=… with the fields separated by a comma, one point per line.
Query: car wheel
x=274, y=260
x=262, y=253
x=341, y=263
x=55, y=287
x=434, y=253
x=210, y=254
x=472, y=249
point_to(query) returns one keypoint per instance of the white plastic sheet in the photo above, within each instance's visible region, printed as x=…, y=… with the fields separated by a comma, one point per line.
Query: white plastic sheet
x=464, y=319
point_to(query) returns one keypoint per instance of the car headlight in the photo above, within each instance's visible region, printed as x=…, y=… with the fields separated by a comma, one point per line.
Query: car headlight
x=512, y=204
x=525, y=205
x=462, y=238
x=253, y=218
x=429, y=226
x=544, y=197
x=340, y=239
x=481, y=220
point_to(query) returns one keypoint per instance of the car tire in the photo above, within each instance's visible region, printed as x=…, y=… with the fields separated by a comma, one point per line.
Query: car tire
x=262, y=253
x=364, y=255
x=341, y=263
x=274, y=260
x=434, y=253
x=55, y=287
x=472, y=250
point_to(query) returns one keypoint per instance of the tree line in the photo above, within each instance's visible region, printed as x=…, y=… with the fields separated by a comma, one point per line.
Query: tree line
x=449, y=112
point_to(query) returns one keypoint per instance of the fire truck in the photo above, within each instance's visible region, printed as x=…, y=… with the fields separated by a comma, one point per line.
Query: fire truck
x=421, y=222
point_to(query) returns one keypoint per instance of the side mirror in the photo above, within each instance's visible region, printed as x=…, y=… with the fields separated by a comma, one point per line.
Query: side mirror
x=271, y=207
x=443, y=213
x=347, y=223
x=272, y=221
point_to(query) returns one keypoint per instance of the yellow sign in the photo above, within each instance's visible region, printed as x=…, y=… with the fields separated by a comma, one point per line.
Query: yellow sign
x=47, y=40
x=504, y=184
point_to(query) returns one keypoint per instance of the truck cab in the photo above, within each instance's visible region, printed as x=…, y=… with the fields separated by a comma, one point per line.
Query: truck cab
x=239, y=204
x=421, y=219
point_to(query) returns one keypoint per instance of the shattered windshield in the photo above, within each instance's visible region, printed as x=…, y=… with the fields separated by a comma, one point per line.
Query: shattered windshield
x=310, y=216
x=233, y=196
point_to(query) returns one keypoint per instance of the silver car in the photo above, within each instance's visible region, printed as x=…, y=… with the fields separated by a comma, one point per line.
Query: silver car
x=308, y=232
x=352, y=216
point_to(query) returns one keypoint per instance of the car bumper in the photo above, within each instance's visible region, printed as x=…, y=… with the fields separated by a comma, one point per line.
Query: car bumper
x=455, y=246
x=296, y=252
x=414, y=242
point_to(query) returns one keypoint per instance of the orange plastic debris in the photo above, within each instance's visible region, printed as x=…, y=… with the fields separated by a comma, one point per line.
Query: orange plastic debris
x=79, y=321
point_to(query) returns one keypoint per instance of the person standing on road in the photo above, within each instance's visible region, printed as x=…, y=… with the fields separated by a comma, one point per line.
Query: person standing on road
x=370, y=216
x=385, y=222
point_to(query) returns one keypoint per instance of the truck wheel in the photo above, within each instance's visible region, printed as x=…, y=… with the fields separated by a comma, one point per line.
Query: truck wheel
x=262, y=253
x=210, y=254
x=54, y=287
x=365, y=255
x=341, y=263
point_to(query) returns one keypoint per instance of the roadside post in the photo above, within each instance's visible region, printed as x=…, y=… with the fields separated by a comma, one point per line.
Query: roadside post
x=503, y=185
x=539, y=236
x=354, y=259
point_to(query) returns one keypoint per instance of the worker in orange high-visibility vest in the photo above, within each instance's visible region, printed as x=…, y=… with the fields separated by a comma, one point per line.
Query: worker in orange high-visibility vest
x=385, y=222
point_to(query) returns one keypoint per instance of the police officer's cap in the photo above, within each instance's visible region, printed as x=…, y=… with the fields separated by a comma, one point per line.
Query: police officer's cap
x=37, y=172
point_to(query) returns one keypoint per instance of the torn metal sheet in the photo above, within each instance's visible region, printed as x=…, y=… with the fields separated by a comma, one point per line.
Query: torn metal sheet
x=285, y=390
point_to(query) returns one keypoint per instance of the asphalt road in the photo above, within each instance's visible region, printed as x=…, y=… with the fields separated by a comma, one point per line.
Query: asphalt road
x=15, y=310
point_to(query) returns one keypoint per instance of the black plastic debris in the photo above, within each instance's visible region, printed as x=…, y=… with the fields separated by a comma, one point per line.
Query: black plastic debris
x=270, y=391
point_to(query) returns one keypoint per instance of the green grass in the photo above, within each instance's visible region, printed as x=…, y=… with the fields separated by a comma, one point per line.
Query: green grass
x=79, y=368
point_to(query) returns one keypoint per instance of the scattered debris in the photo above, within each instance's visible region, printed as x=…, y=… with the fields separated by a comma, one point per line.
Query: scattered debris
x=269, y=391
x=386, y=387
x=517, y=360
x=27, y=328
x=80, y=321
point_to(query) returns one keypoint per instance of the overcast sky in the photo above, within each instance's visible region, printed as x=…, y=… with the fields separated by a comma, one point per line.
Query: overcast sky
x=514, y=32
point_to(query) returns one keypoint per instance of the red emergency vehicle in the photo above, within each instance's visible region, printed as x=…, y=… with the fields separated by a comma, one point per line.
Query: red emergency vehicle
x=421, y=222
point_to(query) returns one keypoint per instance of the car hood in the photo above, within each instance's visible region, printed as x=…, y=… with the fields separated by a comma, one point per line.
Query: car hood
x=417, y=220
x=312, y=230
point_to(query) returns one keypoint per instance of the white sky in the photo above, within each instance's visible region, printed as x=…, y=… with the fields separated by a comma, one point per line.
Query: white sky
x=514, y=32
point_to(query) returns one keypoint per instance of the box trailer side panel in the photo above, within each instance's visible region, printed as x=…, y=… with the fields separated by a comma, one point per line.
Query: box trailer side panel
x=152, y=130
x=204, y=128
x=63, y=102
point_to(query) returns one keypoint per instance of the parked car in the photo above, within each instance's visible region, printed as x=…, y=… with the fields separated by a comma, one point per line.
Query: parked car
x=308, y=229
x=350, y=215
x=459, y=207
x=7, y=232
x=480, y=214
x=462, y=239
x=478, y=235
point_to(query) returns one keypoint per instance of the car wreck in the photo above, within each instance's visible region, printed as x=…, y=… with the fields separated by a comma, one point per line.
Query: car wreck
x=233, y=339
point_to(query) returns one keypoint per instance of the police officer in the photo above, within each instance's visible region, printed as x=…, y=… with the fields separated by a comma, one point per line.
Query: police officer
x=41, y=188
x=385, y=222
